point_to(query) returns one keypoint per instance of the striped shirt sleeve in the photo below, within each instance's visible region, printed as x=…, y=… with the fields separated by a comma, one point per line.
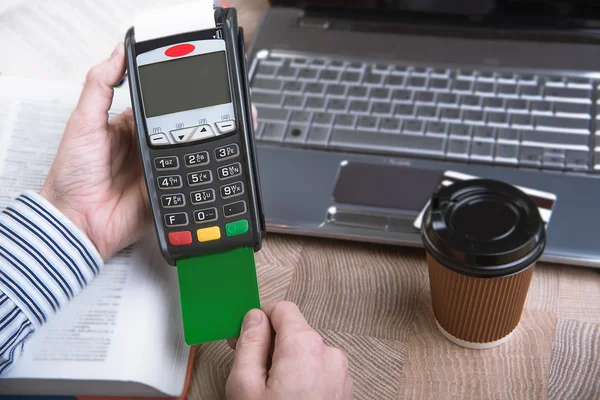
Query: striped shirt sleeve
x=45, y=261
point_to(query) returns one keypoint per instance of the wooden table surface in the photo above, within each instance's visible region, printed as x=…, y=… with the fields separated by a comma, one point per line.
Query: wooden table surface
x=374, y=303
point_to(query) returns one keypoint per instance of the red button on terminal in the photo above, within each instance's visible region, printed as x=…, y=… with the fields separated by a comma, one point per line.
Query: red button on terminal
x=180, y=50
x=180, y=238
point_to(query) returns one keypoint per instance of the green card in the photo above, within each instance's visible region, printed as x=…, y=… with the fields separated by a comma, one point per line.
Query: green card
x=217, y=291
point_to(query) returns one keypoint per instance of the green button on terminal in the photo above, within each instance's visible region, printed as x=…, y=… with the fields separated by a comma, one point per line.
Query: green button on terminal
x=236, y=228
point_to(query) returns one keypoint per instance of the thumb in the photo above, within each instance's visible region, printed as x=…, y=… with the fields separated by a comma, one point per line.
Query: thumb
x=97, y=94
x=249, y=373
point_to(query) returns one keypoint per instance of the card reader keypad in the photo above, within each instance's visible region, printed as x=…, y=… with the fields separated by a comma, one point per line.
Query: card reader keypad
x=202, y=199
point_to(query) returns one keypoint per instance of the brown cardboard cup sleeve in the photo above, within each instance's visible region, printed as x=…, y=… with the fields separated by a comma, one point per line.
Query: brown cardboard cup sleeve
x=483, y=239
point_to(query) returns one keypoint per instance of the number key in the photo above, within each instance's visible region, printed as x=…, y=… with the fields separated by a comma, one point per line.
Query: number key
x=229, y=171
x=172, y=200
x=169, y=182
x=166, y=163
x=227, y=152
x=232, y=190
x=196, y=159
x=206, y=215
x=203, y=196
x=200, y=178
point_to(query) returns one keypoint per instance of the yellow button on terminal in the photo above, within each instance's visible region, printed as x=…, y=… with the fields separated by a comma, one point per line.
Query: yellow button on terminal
x=209, y=234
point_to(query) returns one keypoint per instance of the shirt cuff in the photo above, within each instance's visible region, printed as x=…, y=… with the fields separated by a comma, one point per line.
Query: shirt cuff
x=45, y=260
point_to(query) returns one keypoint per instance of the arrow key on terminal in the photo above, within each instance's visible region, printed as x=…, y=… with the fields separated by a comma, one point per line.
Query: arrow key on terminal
x=203, y=132
x=183, y=135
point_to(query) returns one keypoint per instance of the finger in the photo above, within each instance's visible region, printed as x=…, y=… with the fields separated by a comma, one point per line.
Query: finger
x=255, y=117
x=97, y=94
x=286, y=317
x=249, y=371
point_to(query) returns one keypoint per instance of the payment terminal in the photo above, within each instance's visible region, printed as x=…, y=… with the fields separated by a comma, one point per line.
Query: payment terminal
x=191, y=105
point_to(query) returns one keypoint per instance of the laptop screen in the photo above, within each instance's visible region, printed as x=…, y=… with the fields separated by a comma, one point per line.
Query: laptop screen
x=555, y=9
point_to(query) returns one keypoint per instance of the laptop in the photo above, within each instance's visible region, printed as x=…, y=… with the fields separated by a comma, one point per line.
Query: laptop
x=364, y=105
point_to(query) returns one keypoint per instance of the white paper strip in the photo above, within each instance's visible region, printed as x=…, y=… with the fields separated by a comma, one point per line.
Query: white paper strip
x=174, y=20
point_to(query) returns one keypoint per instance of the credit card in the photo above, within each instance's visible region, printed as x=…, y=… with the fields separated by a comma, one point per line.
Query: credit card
x=545, y=201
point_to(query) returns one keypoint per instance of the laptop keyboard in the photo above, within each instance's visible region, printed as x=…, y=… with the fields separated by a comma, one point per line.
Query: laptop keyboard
x=493, y=117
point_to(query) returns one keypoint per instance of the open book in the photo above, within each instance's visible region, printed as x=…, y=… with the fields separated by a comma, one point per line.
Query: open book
x=123, y=335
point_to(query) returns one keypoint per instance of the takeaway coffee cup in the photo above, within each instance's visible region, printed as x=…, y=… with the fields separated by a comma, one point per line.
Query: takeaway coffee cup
x=483, y=238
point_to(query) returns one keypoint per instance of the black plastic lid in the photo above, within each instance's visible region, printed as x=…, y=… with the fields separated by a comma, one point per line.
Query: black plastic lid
x=483, y=228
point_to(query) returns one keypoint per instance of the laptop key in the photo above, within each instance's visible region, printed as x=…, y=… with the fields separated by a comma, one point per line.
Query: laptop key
x=350, y=77
x=372, y=79
x=413, y=126
x=293, y=87
x=568, y=94
x=460, y=130
x=541, y=108
x=314, y=88
x=506, y=77
x=337, y=64
x=507, y=153
x=439, y=73
x=400, y=70
x=329, y=75
x=404, y=110
x=367, y=122
x=507, y=90
x=337, y=105
x=315, y=103
x=380, y=93
x=273, y=132
x=384, y=142
x=484, y=133
x=493, y=104
x=296, y=133
x=287, y=72
x=381, y=108
x=308, y=74
x=508, y=135
x=355, y=66
x=447, y=99
x=358, y=92
x=474, y=117
x=271, y=113
x=321, y=118
x=266, y=70
x=517, y=106
x=465, y=87
x=301, y=117
x=439, y=85
x=416, y=82
x=497, y=119
x=575, y=125
x=530, y=156
x=422, y=97
x=577, y=160
x=420, y=71
x=562, y=109
x=318, y=63
x=435, y=128
x=482, y=151
x=345, y=121
x=427, y=113
x=466, y=74
x=293, y=101
x=318, y=135
x=533, y=92
x=555, y=140
x=274, y=99
x=336, y=90
x=521, y=121
x=267, y=85
x=450, y=114
x=359, y=106
x=458, y=148
x=470, y=102
x=395, y=81
x=484, y=88
x=402, y=96
x=390, y=124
